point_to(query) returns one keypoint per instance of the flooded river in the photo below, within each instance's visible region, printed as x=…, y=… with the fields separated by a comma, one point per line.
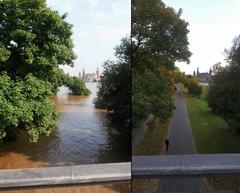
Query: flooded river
x=82, y=136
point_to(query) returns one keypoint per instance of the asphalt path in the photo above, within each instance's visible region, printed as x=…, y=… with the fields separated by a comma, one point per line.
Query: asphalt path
x=181, y=142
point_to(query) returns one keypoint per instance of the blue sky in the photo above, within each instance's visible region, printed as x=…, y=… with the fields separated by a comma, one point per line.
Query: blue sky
x=99, y=26
x=213, y=24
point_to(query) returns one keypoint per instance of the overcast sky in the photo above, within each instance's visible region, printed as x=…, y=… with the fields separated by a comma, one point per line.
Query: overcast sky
x=213, y=24
x=99, y=25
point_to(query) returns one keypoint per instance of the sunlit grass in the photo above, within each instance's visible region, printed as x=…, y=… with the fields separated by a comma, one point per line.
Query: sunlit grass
x=212, y=135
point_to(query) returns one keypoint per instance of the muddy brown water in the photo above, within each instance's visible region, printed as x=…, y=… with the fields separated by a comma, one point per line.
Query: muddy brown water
x=82, y=136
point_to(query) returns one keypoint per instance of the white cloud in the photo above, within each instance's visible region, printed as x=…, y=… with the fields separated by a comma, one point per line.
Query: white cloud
x=51, y=2
x=98, y=26
x=236, y=2
x=119, y=9
x=92, y=3
x=100, y=16
x=104, y=33
x=63, y=7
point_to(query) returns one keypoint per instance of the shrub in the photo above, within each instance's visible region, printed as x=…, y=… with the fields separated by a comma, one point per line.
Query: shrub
x=193, y=86
x=24, y=105
x=77, y=86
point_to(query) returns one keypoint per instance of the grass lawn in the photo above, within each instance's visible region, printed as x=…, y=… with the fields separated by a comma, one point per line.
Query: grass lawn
x=212, y=135
x=152, y=143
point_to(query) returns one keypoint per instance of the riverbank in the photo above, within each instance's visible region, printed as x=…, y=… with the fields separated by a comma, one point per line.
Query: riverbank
x=139, y=132
x=212, y=135
x=152, y=143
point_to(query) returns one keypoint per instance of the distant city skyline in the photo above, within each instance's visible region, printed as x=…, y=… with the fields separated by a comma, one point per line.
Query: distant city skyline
x=212, y=25
x=84, y=72
x=98, y=26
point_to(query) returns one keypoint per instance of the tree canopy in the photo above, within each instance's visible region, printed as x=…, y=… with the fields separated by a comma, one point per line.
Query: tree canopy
x=34, y=42
x=159, y=39
x=192, y=84
x=33, y=39
x=224, y=90
x=24, y=105
x=159, y=35
x=114, y=92
x=77, y=86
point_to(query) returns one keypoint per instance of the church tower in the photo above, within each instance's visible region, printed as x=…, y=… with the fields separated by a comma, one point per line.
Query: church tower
x=197, y=71
x=97, y=72
x=83, y=73
x=210, y=71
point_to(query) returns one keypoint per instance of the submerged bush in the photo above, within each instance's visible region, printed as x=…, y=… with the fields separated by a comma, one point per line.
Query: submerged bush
x=77, y=86
x=25, y=105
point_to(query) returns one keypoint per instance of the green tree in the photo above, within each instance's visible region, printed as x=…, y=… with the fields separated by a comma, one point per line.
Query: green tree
x=159, y=39
x=159, y=35
x=114, y=91
x=224, y=91
x=34, y=42
x=178, y=75
x=151, y=95
x=192, y=84
x=25, y=105
x=33, y=39
x=217, y=67
x=77, y=86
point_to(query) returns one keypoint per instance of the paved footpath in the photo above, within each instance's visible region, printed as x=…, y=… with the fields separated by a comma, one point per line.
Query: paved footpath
x=181, y=142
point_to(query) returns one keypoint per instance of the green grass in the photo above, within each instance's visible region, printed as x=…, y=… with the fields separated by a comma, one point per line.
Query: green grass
x=204, y=92
x=212, y=135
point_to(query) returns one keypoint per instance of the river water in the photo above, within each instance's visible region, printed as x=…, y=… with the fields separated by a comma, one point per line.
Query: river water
x=82, y=136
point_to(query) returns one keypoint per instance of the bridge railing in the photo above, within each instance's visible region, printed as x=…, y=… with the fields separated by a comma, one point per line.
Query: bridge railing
x=185, y=165
x=197, y=165
x=65, y=176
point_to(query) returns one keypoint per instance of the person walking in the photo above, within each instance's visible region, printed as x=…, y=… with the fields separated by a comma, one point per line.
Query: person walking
x=167, y=144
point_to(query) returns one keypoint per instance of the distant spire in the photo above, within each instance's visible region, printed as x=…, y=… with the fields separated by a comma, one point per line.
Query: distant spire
x=210, y=71
x=79, y=74
x=194, y=73
x=97, y=71
x=197, y=71
x=83, y=73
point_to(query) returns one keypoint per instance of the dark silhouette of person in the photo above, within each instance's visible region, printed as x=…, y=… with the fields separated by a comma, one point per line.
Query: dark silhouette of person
x=167, y=144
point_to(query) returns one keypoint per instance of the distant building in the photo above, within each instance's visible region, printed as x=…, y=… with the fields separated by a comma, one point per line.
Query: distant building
x=204, y=76
x=90, y=77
